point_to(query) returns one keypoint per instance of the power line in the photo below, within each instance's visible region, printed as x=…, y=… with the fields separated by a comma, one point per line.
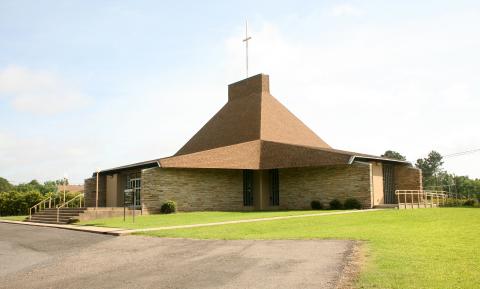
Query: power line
x=462, y=153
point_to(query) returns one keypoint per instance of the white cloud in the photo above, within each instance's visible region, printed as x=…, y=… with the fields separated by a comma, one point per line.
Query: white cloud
x=39, y=92
x=23, y=158
x=411, y=87
x=346, y=9
x=371, y=88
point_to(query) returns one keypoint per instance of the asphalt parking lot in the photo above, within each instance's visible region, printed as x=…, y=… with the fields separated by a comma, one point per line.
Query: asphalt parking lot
x=35, y=257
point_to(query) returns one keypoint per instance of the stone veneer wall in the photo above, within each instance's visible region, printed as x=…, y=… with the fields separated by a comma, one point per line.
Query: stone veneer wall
x=407, y=178
x=300, y=186
x=193, y=189
x=90, y=185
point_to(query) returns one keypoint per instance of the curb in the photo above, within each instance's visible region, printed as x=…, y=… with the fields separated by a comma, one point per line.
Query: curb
x=124, y=232
x=96, y=230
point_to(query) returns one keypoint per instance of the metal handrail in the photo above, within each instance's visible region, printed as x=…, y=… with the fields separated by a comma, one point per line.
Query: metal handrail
x=79, y=196
x=39, y=206
x=425, y=198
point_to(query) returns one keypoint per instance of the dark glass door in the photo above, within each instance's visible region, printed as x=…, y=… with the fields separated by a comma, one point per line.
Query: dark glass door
x=135, y=184
x=388, y=184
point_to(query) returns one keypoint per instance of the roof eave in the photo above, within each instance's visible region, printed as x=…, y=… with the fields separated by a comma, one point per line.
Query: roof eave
x=354, y=157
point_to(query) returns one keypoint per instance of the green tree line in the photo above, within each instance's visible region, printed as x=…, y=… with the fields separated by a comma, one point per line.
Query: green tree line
x=435, y=177
x=17, y=199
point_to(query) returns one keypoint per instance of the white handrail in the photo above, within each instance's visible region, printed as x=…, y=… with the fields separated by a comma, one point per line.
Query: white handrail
x=79, y=196
x=416, y=198
x=39, y=206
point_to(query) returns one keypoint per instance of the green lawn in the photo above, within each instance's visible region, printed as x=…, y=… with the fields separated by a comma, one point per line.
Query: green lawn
x=422, y=248
x=161, y=220
x=13, y=218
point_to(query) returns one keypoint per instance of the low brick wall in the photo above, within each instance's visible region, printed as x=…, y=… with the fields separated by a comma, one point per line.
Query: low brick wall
x=193, y=189
x=300, y=186
x=106, y=212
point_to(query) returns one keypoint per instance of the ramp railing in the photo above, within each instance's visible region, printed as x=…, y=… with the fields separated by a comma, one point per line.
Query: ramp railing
x=421, y=199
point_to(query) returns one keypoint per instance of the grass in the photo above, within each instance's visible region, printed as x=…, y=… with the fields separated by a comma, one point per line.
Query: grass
x=161, y=220
x=422, y=248
x=13, y=218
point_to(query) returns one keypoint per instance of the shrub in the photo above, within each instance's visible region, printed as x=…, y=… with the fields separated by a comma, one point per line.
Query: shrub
x=168, y=207
x=470, y=203
x=352, y=203
x=17, y=203
x=316, y=205
x=335, y=204
x=449, y=202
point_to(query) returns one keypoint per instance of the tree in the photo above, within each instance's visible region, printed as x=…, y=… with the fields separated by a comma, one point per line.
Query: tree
x=431, y=167
x=466, y=186
x=33, y=185
x=49, y=187
x=394, y=155
x=62, y=182
x=5, y=186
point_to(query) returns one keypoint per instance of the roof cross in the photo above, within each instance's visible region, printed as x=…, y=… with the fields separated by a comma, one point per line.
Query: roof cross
x=246, y=44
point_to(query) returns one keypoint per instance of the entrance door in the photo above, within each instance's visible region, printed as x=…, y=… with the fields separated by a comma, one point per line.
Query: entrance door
x=135, y=185
x=388, y=184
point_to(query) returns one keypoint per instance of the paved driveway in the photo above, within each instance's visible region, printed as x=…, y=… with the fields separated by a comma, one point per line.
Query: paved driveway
x=33, y=257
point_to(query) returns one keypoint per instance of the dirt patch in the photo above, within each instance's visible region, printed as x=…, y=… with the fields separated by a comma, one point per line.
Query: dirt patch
x=354, y=259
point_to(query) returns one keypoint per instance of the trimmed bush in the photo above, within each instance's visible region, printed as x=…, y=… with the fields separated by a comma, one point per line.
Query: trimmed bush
x=352, y=203
x=168, y=207
x=335, y=204
x=470, y=203
x=316, y=205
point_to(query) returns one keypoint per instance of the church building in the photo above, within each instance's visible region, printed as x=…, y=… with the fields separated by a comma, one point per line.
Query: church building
x=254, y=154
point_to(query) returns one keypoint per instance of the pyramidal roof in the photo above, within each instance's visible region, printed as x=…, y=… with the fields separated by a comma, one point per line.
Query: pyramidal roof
x=253, y=130
x=251, y=113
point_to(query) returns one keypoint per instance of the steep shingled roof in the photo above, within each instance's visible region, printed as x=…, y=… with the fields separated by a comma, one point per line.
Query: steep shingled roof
x=251, y=113
x=255, y=131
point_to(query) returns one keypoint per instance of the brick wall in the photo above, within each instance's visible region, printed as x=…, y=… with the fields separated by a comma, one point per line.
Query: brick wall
x=407, y=178
x=90, y=185
x=193, y=189
x=299, y=186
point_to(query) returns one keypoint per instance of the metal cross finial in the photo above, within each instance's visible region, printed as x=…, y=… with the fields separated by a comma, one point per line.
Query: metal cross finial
x=246, y=44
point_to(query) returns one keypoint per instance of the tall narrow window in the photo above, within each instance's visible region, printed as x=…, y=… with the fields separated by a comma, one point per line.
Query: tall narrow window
x=275, y=188
x=247, y=188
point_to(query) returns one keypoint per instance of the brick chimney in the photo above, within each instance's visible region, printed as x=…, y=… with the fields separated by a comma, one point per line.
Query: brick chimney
x=253, y=86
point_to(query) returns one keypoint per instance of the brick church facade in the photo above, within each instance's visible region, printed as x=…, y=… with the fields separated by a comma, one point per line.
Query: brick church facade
x=254, y=154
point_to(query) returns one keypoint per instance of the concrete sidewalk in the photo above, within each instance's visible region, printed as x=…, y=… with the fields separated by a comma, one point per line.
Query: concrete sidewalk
x=123, y=231
x=89, y=229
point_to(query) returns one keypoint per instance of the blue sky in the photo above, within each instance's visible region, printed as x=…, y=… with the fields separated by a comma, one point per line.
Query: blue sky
x=87, y=84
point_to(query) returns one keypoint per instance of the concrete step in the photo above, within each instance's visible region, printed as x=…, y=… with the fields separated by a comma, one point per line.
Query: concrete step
x=386, y=206
x=50, y=220
x=65, y=215
x=53, y=218
x=43, y=213
x=65, y=209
